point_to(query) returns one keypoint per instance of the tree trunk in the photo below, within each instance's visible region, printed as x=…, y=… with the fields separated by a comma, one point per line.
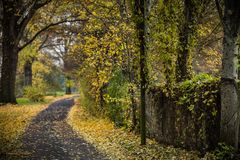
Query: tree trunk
x=68, y=90
x=184, y=58
x=0, y=53
x=9, y=57
x=1, y=18
x=68, y=86
x=131, y=73
x=134, y=108
x=9, y=68
x=141, y=10
x=28, y=73
x=101, y=97
x=230, y=18
x=15, y=17
x=229, y=92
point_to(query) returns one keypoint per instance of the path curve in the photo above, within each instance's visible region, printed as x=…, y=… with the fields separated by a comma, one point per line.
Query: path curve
x=49, y=136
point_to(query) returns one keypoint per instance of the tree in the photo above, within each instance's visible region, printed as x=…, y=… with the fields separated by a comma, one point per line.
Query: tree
x=16, y=15
x=61, y=51
x=163, y=47
x=131, y=66
x=230, y=18
x=184, y=61
x=141, y=11
x=1, y=11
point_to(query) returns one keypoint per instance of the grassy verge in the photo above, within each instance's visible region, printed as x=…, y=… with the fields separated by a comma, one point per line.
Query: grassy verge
x=15, y=118
x=26, y=101
x=120, y=144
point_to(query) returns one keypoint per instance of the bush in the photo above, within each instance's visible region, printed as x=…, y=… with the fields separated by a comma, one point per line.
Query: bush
x=117, y=99
x=224, y=152
x=86, y=99
x=34, y=94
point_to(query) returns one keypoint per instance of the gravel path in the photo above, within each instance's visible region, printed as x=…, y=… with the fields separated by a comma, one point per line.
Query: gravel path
x=50, y=137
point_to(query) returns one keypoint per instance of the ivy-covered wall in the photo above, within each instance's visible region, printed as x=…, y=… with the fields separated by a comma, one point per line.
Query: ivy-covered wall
x=188, y=118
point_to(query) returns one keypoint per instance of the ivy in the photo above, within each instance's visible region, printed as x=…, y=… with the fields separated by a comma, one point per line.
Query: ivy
x=197, y=100
x=201, y=88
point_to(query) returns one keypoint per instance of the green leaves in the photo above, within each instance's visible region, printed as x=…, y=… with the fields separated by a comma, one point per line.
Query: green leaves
x=224, y=152
x=69, y=83
x=118, y=98
x=201, y=88
x=34, y=94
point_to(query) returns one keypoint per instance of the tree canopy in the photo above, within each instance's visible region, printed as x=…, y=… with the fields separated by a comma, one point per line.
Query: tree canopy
x=129, y=59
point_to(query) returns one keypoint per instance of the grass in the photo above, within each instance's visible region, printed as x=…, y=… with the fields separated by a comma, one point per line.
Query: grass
x=58, y=93
x=117, y=143
x=23, y=101
x=14, y=119
x=26, y=101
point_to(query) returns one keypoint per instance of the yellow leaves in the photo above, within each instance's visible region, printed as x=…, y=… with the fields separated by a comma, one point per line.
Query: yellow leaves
x=28, y=53
x=13, y=120
x=118, y=143
x=101, y=54
x=69, y=83
x=114, y=29
x=91, y=41
x=39, y=68
x=101, y=43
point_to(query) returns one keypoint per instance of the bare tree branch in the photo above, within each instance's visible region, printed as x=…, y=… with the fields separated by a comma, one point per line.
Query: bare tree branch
x=46, y=28
x=220, y=11
x=27, y=15
x=42, y=44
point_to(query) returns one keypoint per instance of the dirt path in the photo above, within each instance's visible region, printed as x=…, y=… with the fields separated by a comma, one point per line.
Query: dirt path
x=50, y=137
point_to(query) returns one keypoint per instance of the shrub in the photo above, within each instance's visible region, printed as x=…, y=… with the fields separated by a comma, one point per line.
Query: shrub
x=86, y=99
x=117, y=99
x=34, y=94
x=224, y=152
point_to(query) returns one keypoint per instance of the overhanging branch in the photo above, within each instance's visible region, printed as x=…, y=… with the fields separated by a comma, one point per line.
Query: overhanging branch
x=27, y=15
x=46, y=28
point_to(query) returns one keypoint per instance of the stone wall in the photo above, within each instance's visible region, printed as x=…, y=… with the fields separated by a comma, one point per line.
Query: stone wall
x=170, y=123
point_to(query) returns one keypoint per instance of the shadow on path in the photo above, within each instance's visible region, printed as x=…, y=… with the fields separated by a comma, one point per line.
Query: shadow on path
x=50, y=137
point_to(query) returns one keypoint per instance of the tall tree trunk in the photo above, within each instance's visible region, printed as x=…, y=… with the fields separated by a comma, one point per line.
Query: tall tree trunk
x=141, y=10
x=133, y=107
x=101, y=97
x=68, y=87
x=131, y=74
x=1, y=18
x=230, y=19
x=143, y=83
x=229, y=92
x=9, y=56
x=68, y=90
x=9, y=68
x=0, y=54
x=184, y=57
x=28, y=73
x=15, y=17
